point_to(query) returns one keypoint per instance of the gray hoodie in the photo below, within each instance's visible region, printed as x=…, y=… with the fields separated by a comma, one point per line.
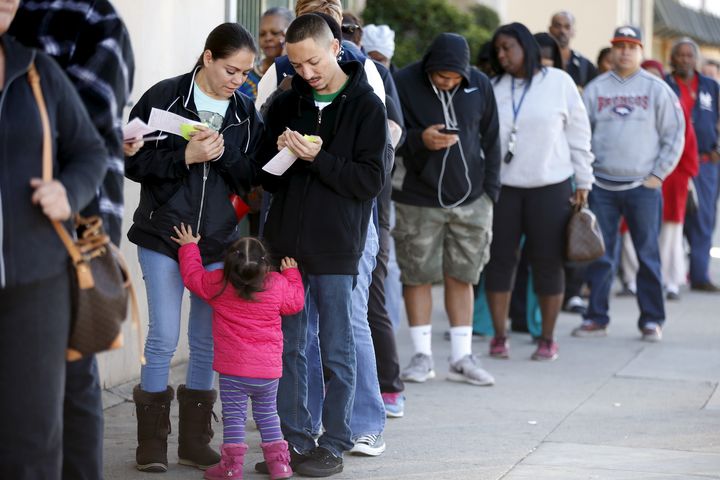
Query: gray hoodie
x=637, y=124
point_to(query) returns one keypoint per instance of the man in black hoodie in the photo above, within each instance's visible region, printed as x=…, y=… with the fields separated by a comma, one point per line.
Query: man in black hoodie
x=445, y=183
x=319, y=215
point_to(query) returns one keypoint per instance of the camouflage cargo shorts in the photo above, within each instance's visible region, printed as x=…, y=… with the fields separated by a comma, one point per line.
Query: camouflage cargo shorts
x=430, y=242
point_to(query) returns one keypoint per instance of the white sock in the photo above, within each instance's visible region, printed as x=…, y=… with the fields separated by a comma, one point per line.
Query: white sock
x=422, y=339
x=460, y=342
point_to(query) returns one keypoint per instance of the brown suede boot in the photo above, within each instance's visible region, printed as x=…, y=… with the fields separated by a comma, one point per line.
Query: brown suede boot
x=196, y=412
x=153, y=426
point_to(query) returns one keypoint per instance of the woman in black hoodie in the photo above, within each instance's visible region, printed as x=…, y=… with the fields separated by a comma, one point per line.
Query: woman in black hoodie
x=189, y=182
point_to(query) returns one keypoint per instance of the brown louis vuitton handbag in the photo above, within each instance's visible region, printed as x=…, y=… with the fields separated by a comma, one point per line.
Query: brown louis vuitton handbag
x=100, y=281
x=584, y=239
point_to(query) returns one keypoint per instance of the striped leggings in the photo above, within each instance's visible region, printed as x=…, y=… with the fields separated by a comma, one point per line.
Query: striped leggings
x=234, y=394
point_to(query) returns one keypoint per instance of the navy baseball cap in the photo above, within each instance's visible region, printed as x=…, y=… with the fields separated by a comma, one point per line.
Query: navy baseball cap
x=627, y=34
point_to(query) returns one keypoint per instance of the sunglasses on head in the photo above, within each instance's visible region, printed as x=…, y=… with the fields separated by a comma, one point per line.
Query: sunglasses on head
x=350, y=28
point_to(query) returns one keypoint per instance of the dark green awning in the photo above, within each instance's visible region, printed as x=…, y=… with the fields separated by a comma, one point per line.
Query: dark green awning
x=675, y=20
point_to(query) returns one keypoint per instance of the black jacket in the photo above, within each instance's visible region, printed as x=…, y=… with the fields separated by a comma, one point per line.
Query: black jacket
x=172, y=193
x=580, y=69
x=418, y=170
x=30, y=249
x=320, y=210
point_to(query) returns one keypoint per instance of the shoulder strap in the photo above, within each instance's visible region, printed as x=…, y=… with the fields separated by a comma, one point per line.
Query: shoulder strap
x=85, y=279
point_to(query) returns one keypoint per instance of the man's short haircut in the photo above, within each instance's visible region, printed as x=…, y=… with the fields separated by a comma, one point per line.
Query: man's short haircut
x=309, y=26
x=685, y=41
x=565, y=14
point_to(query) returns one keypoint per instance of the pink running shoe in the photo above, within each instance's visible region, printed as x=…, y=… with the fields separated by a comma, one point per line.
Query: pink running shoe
x=499, y=347
x=547, y=350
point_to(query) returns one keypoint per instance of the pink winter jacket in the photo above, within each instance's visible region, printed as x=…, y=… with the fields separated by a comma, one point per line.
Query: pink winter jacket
x=247, y=334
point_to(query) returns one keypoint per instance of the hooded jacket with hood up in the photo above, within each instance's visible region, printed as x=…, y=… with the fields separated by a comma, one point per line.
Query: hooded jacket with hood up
x=419, y=177
x=320, y=210
x=197, y=195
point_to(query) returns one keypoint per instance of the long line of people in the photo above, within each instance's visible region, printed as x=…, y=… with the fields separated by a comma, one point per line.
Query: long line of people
x=451, y=175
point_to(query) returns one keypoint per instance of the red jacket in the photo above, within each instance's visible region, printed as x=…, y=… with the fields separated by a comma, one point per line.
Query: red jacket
x=247, y=335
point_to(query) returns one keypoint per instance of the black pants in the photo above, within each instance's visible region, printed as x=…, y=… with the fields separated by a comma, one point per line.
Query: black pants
x=542, y=215
x=574, y=280
x=82, y=421
x=34, y=327
x=381, y=328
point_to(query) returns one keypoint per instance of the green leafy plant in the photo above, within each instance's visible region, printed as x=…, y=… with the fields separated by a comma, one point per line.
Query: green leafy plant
x=418, y=22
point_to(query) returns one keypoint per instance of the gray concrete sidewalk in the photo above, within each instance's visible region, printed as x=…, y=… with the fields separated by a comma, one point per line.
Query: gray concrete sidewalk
x=612, y=408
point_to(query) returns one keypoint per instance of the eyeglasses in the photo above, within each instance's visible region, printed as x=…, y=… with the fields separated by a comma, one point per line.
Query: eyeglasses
x=350, y=28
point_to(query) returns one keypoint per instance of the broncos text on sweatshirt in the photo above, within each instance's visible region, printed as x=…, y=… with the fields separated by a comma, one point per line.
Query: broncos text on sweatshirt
x=638, y=127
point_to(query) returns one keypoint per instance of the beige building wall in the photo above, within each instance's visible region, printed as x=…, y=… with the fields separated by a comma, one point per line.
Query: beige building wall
x=595, y=20
x=167, y=38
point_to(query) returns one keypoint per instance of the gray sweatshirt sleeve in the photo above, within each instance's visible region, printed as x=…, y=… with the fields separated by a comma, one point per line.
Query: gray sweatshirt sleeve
x=589, y=101
x=578, y=134
x=670, y=126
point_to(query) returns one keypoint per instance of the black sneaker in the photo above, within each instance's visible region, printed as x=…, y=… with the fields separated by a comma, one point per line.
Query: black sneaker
x=296, y=459
x=322, y=463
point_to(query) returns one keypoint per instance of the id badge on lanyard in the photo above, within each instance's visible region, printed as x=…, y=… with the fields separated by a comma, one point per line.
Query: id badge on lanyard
x=512, y=139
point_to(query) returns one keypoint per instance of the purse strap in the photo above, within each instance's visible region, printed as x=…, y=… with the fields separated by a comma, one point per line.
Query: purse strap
x=82, y=268
x=84, y=274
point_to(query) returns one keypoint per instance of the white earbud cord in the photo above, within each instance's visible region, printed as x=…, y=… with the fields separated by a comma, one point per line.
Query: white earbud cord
x=451, y=121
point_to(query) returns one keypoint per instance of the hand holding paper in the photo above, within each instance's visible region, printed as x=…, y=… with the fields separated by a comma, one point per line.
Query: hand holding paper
x=305, y=147
x=205, y=145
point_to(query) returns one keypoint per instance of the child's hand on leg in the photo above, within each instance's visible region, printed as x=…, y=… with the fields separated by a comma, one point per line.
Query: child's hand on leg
x=184, y=235
x=287, y=262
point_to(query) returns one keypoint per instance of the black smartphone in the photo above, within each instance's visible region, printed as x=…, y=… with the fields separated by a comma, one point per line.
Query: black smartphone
x=450, y=130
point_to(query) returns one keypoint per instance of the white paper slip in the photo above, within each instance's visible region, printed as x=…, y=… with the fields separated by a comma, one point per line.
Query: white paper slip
x=280, y=162
x=136, y=128
x=169, y=122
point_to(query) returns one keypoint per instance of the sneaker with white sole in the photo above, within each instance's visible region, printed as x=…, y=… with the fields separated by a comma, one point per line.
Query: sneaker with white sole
x=468, y=370
x=419, y=370
x=370, y=445
x=394, y=404
x=575, y=305
x=588, y=329
x=651, y=332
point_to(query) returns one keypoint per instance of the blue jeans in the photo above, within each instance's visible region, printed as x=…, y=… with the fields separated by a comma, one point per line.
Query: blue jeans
x=368, y=413
x=699, y=226
x=332, y=297
x=165, y=289
x=642, y=209
x=315, y=377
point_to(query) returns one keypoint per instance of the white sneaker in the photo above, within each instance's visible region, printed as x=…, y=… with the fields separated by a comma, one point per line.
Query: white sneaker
x=468, y=370
x=419, y=370
x=652, y=332
x=370, y=445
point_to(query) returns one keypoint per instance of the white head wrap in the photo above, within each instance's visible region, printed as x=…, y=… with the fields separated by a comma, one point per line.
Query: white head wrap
x=379, y=38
